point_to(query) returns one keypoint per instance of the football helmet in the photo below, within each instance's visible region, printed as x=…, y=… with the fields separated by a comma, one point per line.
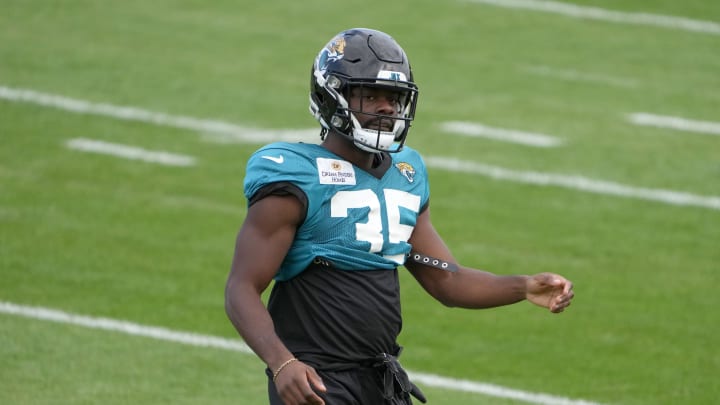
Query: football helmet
x=354, y=60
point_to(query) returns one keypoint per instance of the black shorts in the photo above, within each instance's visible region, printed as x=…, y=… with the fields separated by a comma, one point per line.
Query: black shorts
x=359, y=386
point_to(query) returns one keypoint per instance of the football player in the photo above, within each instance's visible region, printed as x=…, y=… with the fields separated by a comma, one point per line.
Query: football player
x=330, y=224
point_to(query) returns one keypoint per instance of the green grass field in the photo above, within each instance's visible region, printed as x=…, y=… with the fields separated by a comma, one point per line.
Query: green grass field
x=102, y=236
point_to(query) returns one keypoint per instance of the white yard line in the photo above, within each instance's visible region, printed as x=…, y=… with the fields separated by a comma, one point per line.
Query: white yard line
x=114, y=325
x=678, y=123
x=235, y=133
x=130, y=152
x=224, y=131
x=437, y=381
x=596, y=13
x=474, y=129
x=574, y=182
x=194, y=339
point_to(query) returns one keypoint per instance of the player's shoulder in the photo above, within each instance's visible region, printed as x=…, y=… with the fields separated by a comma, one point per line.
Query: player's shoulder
x=408, y=156
x=408, y=151
x=280, y=162
x=284, y=156
x=281, y=150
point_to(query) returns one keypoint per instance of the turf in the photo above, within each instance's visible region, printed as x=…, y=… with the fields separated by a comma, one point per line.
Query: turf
x=103, y=236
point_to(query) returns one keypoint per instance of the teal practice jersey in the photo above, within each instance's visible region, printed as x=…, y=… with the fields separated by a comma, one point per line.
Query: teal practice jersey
x=354, y=219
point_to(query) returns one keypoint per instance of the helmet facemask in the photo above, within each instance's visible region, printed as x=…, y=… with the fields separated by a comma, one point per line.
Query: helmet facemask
x=374, y=130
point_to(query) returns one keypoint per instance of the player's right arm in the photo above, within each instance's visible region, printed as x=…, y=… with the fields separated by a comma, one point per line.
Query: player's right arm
x=262, y=243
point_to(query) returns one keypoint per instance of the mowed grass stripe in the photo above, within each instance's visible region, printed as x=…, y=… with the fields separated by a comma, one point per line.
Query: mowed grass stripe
x=194, y=339
x=236, y=133
x=578, y=76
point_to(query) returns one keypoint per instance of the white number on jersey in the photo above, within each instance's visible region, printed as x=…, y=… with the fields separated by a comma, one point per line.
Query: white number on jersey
x=372, y=230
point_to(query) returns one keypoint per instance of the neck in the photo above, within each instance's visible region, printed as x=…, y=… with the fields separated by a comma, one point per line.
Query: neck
x=344, y=148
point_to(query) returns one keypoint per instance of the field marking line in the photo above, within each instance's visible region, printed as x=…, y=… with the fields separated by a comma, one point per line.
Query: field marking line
x=130, y=152
x=596, y=13
x=194, y=339
x=236, y=133
x=129, y=328
x=574, y=182
x=678, y=123
x=473, y=129
x=225, y=132
x=437, y=381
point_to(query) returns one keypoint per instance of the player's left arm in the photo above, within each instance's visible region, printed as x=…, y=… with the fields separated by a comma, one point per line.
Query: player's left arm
x=461, y=286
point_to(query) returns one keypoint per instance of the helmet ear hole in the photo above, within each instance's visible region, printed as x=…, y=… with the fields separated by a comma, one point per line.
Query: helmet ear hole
x=337, y=122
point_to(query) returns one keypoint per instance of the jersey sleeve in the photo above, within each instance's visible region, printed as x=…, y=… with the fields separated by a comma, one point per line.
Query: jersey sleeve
x=421, y=175
x=273, y=164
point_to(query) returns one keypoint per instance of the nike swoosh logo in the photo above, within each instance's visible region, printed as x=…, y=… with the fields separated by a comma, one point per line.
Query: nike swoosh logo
x=278, y=159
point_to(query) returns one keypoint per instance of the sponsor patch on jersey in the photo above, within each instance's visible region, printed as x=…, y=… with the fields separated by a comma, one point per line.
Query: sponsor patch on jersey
x=335, y=171
x=406, y=170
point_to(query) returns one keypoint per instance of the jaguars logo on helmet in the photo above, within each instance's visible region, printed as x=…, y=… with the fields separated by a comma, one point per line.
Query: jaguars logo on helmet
x=333, y=51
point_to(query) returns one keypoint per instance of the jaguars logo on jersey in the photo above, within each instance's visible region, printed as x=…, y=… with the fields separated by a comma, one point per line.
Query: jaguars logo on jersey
x=406, y=170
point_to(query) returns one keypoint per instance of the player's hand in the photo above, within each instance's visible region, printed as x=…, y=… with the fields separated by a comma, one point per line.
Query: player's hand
x=550, y=291
x=296, y=384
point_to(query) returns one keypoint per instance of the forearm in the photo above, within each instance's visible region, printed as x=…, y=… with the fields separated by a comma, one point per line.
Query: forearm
x=470, y=288
x=251, y=319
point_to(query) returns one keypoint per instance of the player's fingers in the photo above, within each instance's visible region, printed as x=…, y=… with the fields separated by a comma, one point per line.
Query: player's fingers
x=301, y=394
x=553, y=281
x=315, y=380
x=306, y=391
x=293, y=395
x=313, y=399
x=560, y=305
